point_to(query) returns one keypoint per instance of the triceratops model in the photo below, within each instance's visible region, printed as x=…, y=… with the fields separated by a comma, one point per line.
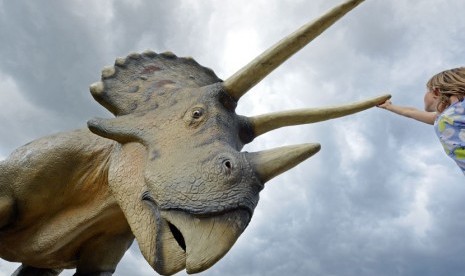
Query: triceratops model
x=167, y=171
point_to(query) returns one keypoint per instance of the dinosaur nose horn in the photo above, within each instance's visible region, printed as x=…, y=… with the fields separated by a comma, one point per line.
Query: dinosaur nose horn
x=271, y=163
x=239, y=83
x=263, y=123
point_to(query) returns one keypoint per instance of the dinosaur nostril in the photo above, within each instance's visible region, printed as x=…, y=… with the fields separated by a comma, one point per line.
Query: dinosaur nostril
x=228, y=166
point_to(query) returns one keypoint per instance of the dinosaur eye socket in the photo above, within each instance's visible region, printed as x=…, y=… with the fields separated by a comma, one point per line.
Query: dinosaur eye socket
x=194, y=116
x=197, y=113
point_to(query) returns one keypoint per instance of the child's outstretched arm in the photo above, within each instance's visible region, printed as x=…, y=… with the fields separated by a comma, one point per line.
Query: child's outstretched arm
x=410, y=112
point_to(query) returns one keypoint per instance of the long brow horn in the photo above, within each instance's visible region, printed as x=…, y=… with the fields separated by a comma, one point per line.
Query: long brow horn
x=239, y=83
x=267, y=122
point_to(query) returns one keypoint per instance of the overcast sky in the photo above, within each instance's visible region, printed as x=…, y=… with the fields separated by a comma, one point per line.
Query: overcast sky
x=381, y=197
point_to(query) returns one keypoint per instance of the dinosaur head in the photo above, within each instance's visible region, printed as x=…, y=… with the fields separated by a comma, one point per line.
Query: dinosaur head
x=178, y=172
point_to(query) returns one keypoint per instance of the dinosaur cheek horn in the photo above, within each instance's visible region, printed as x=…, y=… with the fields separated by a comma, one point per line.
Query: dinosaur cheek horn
x=271, y=163
x=239, y=83
x=267, y=122
x=120, y=129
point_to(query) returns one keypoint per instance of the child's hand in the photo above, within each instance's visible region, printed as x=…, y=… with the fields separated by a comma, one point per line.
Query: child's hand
x=385, y=105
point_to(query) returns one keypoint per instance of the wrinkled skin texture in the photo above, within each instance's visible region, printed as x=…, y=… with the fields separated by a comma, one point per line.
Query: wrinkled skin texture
x=49, y=219
x=212, y=181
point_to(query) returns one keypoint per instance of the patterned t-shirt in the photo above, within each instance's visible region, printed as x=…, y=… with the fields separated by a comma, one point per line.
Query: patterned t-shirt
x=450, y=128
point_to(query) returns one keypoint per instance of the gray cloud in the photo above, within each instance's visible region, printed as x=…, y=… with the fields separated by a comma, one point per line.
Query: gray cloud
x=381, y=198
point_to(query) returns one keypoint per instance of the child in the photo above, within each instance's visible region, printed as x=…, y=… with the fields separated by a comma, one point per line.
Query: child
x=445, y=109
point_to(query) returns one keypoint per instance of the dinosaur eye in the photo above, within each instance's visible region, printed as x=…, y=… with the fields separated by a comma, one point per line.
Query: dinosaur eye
x=197, y=113
x=195, y=116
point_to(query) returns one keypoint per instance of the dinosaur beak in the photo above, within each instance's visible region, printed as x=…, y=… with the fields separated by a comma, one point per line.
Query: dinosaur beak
x=205, y=240
x=247, y=77
x=198, y=242
x=270, y=163
x=263, y=123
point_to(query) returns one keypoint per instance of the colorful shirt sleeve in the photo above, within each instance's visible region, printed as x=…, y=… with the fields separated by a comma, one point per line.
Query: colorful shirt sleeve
x=450, y=128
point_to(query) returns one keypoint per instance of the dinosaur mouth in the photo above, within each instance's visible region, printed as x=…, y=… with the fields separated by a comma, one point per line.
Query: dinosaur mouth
x=196, y=243
x=177, y=236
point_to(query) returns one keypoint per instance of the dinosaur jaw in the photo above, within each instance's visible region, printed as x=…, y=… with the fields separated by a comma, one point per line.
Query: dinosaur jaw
x=196, y=243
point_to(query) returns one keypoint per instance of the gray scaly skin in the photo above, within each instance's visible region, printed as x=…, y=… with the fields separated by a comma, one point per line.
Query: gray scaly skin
x=167, y=170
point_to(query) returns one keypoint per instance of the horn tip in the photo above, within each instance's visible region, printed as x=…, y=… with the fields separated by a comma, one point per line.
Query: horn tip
x=309, y=149
x=381, y=99
x=271, y=163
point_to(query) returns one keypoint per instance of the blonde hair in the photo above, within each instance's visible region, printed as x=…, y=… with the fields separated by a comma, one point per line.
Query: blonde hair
x=448, y=83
